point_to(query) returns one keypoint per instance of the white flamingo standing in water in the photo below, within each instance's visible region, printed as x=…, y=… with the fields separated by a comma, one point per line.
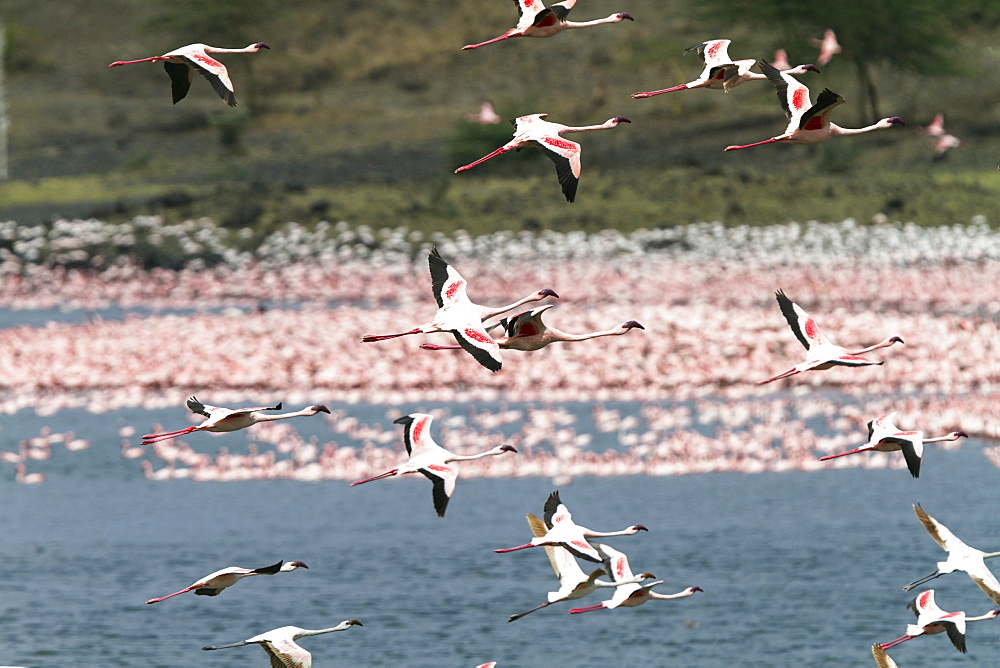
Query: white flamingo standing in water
x=573, y=582
x=563, y=532
x=720, y=71
x=532, y=130
x=213, y=584
x=430, y=459
x=820, y=352
x=229, y=419
x=961, y=557
x=931, y=620
x=884, y=436
x=459, y=315
x=537, y=20
x=526, y=331
x=808, y=123
x=182, y=63
x=280, y=645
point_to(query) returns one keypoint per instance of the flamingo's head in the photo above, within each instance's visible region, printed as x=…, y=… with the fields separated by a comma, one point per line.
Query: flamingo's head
x=547, y=292
x=353, y=622
x=319, y=408
x=636, y=528
x=895, y=339
x=292, y=565
x=895, y=120
x=647, y=576
x=620, y=119
x=262, y=45
x=960, y=434
x=632, y=324
x=811, y=68
x=625, y=16
x=694, y=588
x=507, y=448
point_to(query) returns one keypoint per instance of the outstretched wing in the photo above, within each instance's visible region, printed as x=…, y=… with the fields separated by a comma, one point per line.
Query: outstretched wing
x=443, y=477
x=480, y=345
x=816, y=116
x=805, y=328
x=552, y=507
x=446, y=283
x=565, y=154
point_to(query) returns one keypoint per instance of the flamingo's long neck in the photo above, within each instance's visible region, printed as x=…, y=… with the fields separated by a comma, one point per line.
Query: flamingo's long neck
x=486, y=312
x=251, y=48
x=466, y=458
x=836, y=130
x=614, y=18
x=563, y=336
x=881, y=344
x=606, y=125
x=311, y=632
x=989, y=615
x=599, y=534
x=265, y=417
x=663, y=597
x=947, y=437
x=990, y=555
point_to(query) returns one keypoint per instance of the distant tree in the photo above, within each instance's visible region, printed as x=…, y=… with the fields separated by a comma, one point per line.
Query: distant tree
x=914, y=35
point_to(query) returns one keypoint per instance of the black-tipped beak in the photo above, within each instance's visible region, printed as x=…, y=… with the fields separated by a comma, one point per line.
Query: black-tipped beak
x=632, y=324
x=641, y=527
x=896, y=120
x=812, y=68
x=263, y=45
x=621, y=119
x=625, y=16
x=962, y=434
x=548, y=292
x=320, y=408
x=896, y=339
x=508, y=448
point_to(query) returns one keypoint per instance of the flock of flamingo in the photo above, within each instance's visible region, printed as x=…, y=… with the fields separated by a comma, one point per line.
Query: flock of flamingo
x=707, y=354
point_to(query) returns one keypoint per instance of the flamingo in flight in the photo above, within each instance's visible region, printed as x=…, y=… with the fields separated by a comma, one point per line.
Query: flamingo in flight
x=808, y=123
x=721, y=71
x=458, y=315
x=212, y=585
x=526, y=331
x=573, y=582
x=961, y=557
x=931, y=619
x=828, y=47
x=229, y=419
x=281, y=647
x=629, y=594
x=537, y=20
x=885, y=436
x=531, y=130
x=430, y=459
x=563, y=532
x=182, y=63
x=820, y=352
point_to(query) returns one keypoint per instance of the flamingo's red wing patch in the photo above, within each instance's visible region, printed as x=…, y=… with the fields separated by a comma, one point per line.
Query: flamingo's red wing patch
x=418, y=429
x=800, y=97
x=812, y=331
x=620, y=569
x=814, y=123
x=527, y=329
x=453, y=288
x=477, y=336
x=713, y=49
x=582, y=544
x=211, y=62
x=556, y=142
x=439, y=468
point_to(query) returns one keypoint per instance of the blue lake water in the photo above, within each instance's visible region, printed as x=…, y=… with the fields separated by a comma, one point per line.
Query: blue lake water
x=798, y=568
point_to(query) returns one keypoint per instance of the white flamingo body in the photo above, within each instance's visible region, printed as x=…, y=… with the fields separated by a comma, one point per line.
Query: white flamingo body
x=961, y=557
x=280, y=645
x=932, y=620
x=230, y=419
x=430, y=459
x=720, y=72
x=459, y=315
x=884, y=436
x=820, y=352
x=214, y=583
x=526, y=331
x=532, y=130
x=182, y=63
x=537, y=20
x=573, y=582
x=564, y=532
x=808, y=123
